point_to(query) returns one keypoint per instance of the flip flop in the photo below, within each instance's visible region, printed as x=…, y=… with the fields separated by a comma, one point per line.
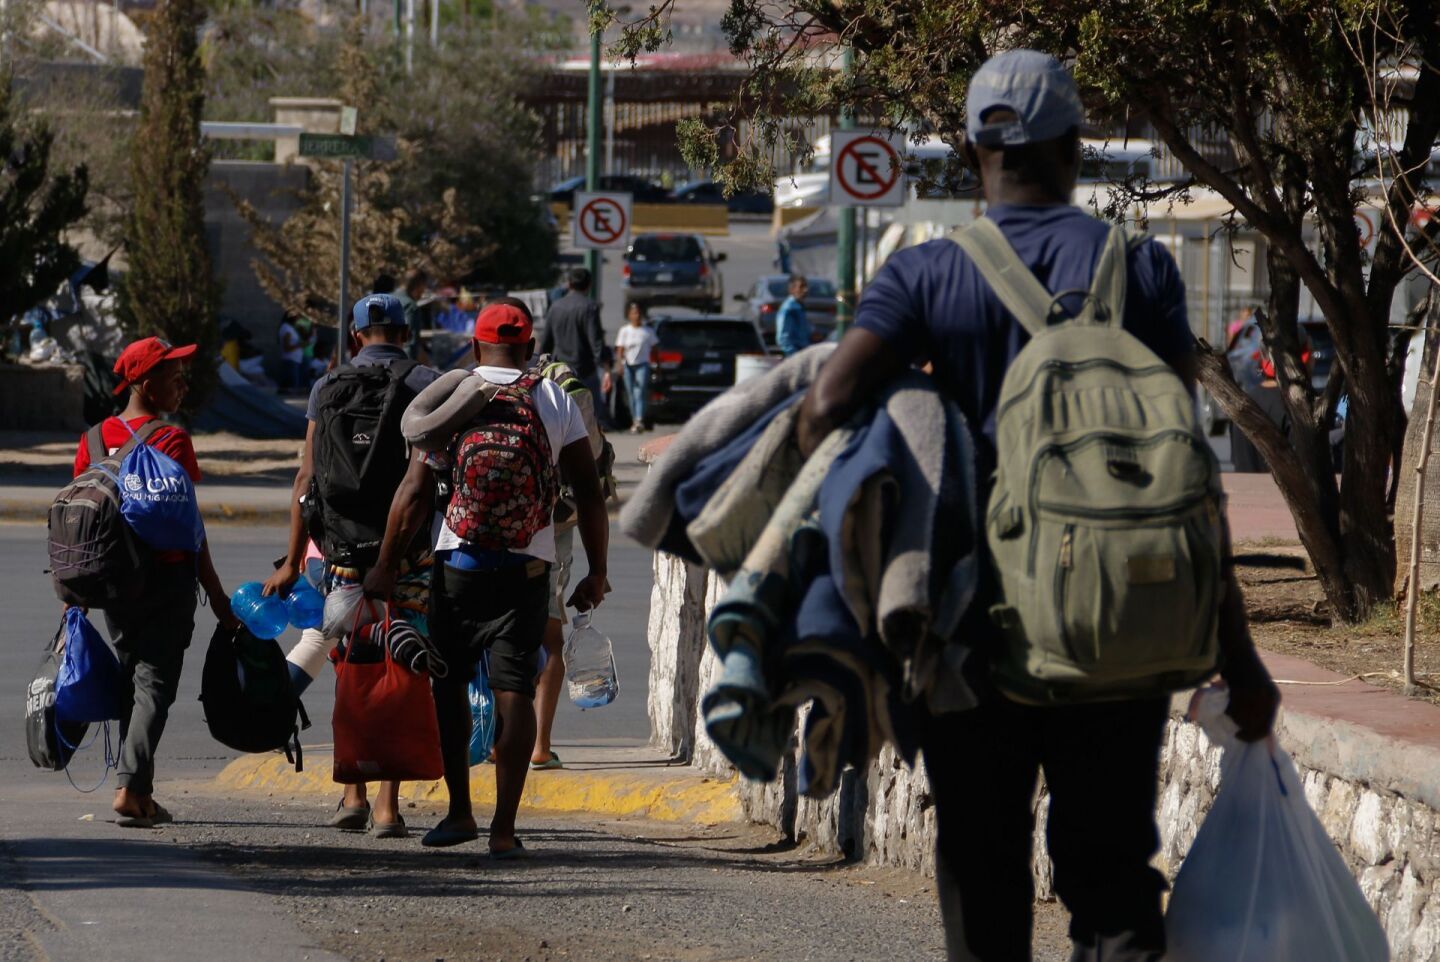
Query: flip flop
x=519, y=851
x=442, y=837
x=355, y=819
x=395, y=829
x=552, y=762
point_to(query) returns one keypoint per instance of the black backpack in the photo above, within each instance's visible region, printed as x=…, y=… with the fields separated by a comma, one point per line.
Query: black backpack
x=96, y=560
x=360, y=458
x=50, y=744
x=250, y=703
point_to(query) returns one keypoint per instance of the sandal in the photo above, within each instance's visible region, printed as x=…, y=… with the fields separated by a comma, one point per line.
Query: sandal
x=135, y=821
x=442, y=837
x=355, y=819
x=395, y=829
x=552, y=762
x=519, y=851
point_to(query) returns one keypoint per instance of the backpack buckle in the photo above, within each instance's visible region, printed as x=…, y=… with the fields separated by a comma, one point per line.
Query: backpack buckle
x=1009, y=523
x=1004, y=617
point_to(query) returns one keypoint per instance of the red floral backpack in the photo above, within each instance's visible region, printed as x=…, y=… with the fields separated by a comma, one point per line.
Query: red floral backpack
x=505, y=482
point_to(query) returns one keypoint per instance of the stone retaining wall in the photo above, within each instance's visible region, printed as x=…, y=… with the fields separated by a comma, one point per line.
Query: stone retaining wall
x=1378, y=796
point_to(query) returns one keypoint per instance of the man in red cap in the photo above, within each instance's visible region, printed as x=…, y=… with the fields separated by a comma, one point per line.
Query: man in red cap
x=151, y=633
x=491, y=586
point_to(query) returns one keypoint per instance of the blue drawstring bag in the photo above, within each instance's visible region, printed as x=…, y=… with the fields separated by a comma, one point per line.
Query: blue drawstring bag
x=89, y=684
x=157, y=499
x=482, y=713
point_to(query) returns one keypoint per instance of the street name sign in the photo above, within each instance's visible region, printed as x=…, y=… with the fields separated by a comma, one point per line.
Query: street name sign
x=866, y=171
x=340, y=146
x=602, y=220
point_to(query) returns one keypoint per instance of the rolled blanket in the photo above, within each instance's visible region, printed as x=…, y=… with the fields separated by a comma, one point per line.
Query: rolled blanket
x=445, y=408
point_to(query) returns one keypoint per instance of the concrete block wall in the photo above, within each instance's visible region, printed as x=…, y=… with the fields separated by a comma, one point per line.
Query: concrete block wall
x=1375, y=787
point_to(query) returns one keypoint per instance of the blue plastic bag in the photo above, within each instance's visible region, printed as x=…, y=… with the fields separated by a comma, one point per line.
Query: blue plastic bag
x=482, y=713
x=157, y=499
x=89, y=684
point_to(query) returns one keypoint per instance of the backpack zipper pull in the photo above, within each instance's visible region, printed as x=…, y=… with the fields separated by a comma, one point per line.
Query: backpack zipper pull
x=1067, y=544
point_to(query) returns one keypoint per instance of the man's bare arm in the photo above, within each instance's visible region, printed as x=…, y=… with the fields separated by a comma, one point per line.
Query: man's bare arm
x=859, y=367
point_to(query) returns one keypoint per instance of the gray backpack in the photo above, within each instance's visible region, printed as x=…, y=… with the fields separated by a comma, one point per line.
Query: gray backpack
x=1104, y=521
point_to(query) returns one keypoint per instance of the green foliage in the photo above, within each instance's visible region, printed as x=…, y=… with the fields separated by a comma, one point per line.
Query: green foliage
x=169, y=288
x=37, y=206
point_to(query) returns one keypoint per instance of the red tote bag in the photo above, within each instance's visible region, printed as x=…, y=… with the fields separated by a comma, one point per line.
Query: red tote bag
x=384, y=722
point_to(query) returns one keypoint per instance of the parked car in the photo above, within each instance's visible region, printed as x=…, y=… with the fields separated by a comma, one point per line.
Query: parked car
x=709, y=192
x=764, y=299
x=695, y=360
x=645, y=191
x=672, y=269
x=1254, y=371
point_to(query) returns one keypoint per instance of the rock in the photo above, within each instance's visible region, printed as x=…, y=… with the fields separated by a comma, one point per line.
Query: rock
x=1369, y=837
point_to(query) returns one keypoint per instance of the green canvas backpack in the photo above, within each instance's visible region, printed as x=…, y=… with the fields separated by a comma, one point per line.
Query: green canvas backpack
x=1104, y=521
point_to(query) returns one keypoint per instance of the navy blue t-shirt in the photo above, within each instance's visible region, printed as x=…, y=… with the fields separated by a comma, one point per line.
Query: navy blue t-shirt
x=929, y=302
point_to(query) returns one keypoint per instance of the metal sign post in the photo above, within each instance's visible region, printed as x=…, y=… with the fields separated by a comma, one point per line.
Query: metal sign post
x=346, y=147
x=345, y=256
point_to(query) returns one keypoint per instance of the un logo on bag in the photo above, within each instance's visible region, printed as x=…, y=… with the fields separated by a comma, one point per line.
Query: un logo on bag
x=133, y=483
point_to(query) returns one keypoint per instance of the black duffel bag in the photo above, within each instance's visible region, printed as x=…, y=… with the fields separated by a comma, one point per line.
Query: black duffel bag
x=250, y=703
x=50, y=744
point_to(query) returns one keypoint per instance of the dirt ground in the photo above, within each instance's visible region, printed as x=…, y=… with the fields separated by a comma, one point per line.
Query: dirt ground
x=1289, y=615
x=221, y=455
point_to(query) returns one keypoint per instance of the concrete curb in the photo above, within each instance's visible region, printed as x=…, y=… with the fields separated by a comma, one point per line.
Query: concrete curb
x=665, y=797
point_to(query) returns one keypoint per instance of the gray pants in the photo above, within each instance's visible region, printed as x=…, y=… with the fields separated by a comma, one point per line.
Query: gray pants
x=150, y=637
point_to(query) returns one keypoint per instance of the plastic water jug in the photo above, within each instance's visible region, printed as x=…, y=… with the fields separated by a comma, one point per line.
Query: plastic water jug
x=590, y=665
x=264, y=615
x=305, y=605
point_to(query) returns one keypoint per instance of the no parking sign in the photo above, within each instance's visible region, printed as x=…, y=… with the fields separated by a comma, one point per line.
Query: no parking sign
x=602, y=221
x=866, y=170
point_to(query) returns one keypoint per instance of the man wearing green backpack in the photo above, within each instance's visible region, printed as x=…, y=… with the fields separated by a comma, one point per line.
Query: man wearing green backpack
x=1067, y=347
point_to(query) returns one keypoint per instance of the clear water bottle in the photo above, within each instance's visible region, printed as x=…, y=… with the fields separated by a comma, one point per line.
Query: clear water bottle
x=590, y=665
x=305, y=605
x=264, y=615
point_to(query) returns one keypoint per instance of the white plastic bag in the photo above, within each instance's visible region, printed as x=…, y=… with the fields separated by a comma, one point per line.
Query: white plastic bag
x=347, y=608
x=1263, y=882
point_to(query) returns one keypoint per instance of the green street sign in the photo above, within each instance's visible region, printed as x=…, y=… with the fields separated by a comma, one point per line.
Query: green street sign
x=341, y=145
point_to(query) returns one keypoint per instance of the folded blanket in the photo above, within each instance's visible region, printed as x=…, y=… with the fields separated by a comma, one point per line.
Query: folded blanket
x=444, y=409
x=647, y=515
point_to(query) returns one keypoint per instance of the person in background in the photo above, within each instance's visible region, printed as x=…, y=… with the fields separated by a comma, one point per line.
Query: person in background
x=495, y=600
x=632, y=362
x=292, y=353
x=573, y=333
x=151, y=633
x=415, y=283
x=792, y=327
x=384, y=284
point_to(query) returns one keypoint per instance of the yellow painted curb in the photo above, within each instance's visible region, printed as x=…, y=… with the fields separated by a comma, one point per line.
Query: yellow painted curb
x=666, y=798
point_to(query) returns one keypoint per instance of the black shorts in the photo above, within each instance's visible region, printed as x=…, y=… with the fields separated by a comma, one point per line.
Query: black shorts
x=503, y=611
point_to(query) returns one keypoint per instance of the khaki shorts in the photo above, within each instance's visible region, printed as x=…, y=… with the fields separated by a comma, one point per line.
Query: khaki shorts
x=560, y=573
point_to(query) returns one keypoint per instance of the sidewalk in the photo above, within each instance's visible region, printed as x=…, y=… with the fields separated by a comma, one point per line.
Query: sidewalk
x=608, y=781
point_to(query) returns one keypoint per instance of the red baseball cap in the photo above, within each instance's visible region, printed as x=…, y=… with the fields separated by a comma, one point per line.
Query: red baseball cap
x=138, y=358
x=504, y=324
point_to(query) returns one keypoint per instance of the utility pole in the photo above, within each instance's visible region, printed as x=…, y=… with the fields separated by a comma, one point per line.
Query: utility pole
x=845, y=231
x=610, y=121
x=434, y=24
x=409, y=37
x=592, y=151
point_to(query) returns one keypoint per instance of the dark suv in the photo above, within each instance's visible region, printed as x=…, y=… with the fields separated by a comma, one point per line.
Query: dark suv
x=673, y=269
x=695, y=361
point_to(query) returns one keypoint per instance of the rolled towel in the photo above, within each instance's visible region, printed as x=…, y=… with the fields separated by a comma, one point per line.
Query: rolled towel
x=445, y=408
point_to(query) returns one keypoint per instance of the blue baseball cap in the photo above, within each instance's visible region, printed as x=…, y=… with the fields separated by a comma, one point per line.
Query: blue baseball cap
x=378, y=310
x=1032, y=85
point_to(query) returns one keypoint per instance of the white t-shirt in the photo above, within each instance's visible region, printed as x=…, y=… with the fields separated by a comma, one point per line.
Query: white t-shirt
x=564, y=424
x=289, y=335
x=634, y=343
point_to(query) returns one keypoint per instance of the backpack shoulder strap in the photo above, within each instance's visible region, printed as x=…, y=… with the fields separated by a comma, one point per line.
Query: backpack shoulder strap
x=1018, y=289
x=1111, y=277
x=95, y=443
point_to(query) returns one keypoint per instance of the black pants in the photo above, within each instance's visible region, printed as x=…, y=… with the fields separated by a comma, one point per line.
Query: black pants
x=150, y=638
x=1101, y=763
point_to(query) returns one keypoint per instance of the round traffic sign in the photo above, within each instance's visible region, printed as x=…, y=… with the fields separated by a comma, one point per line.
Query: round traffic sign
x=602, y=221
x=867, y=168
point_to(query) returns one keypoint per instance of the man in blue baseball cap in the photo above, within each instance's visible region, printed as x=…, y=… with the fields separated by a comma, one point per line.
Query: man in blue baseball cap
x=352, y=465
x=1100, y=760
